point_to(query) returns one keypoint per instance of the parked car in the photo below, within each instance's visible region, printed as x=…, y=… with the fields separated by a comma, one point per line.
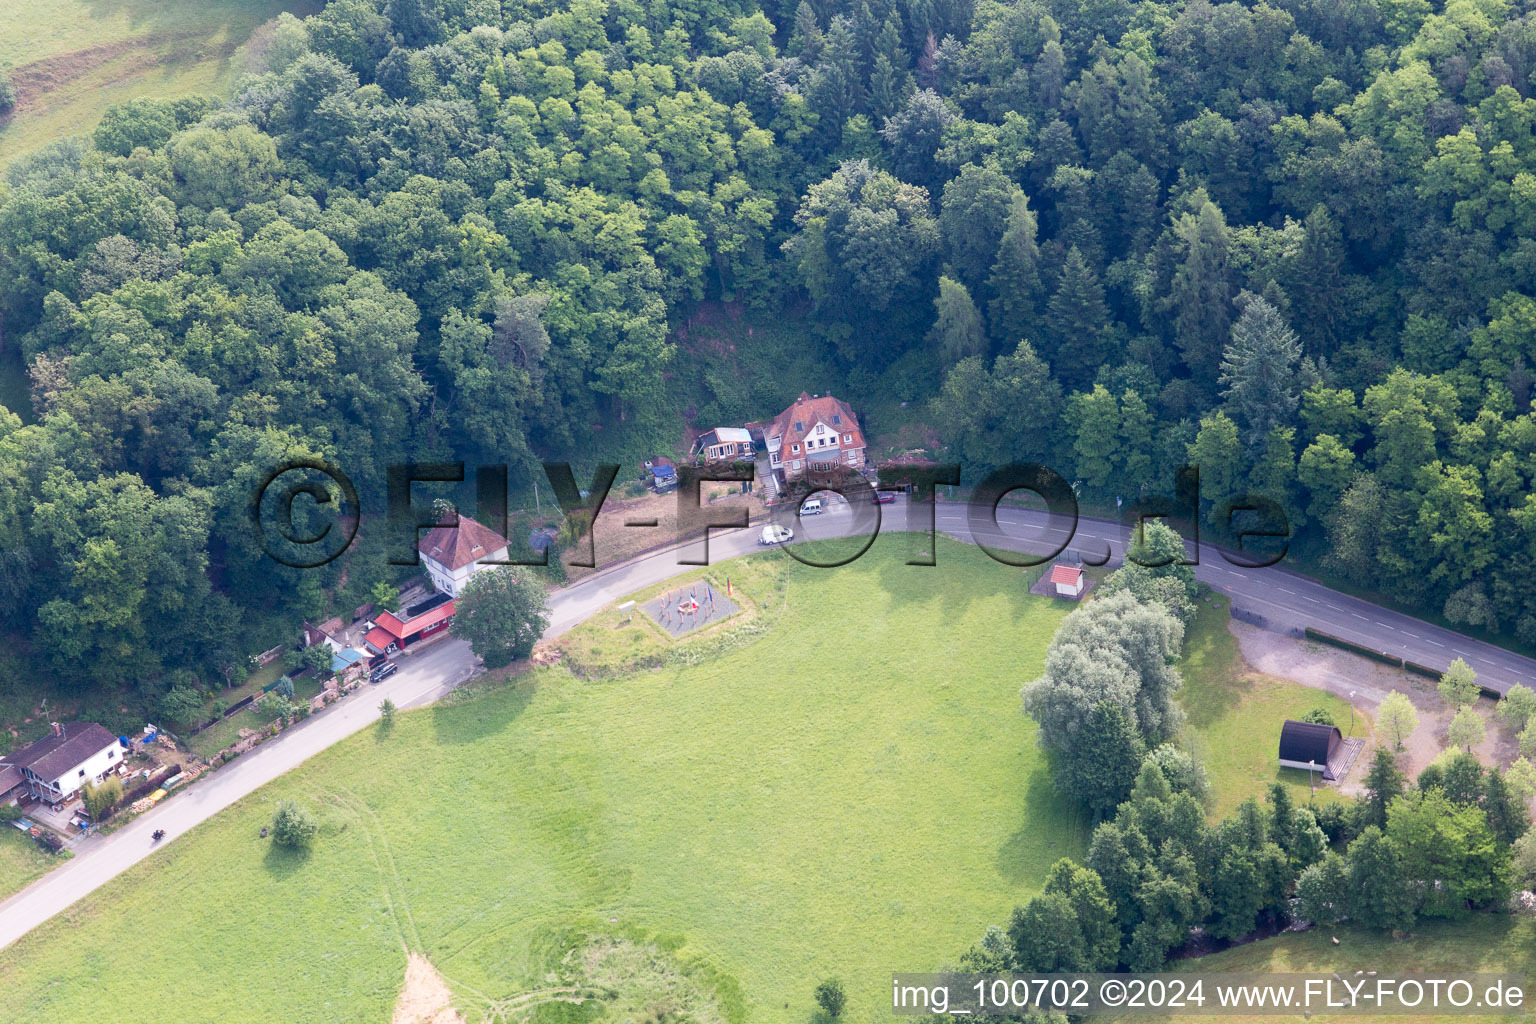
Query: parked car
x=383, y=672
x=884, y=497
x=775, y=535
x=812, y=508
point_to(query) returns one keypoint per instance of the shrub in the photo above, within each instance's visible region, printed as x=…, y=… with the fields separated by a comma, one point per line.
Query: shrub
x=831, y=997
x=1183, y=772
x=101, y=799
x=181, y=705
x=7, y=92
x=1319, y=716
x=293, y=826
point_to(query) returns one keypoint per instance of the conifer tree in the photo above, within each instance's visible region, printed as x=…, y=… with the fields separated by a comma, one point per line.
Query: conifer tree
x=1077, y=322
x=1262, y=374
x=1015, y=281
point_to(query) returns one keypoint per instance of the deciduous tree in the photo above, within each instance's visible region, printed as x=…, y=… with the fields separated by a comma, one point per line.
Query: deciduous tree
x=501, y=613
x=1397, y=718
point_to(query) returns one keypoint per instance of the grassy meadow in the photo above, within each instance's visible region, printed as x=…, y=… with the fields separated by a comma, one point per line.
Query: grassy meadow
x=21, y=860
x=850, y=790
x=853, y=792
x=72, y=59
x=1483, y=943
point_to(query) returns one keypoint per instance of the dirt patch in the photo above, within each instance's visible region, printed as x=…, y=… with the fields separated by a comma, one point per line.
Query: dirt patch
x=426, y=998
x=36, y=80
x=43, y=76
x=620, y=534
x=1341, y=673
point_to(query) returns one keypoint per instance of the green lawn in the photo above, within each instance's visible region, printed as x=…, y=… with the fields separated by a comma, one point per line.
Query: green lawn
x=72, y=59
x=1490, y=944
x=22, y=860
x=853, y=793
x=226, y=732
x=1235, y=714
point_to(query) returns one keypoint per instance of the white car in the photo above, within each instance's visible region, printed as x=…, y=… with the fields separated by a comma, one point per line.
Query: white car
x=775, y=535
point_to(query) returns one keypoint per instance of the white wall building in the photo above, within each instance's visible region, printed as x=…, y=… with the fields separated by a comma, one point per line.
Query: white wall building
x=452, y=554
x=57, y=766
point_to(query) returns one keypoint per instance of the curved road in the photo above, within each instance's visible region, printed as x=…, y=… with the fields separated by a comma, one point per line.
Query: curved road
x=1285, y=599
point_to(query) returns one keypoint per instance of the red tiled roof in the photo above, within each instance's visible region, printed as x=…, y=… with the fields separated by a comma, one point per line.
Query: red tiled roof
x=388, y=622
x=801, y=418
x=387, y=627
x=431, y=618
x=456, y=547
x=379, y=639
x=1069, y=574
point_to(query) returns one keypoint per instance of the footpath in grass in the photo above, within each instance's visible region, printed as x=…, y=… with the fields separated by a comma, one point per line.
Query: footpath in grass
x=853, y=792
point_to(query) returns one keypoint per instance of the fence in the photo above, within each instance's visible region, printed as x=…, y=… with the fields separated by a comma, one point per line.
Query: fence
x=1349, y=645
x=1390, y=659
x=1253, y=618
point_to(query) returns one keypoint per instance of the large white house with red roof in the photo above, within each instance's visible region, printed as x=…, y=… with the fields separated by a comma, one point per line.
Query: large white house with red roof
x=818, y=434
x=452, y=554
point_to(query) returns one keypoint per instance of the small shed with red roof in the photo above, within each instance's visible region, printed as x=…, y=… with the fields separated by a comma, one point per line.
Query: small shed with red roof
x=1068, y=579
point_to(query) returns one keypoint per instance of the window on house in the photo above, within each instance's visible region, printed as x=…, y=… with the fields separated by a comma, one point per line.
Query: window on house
x=837, y=419
x=82, y=773
x=799, y=426
x=848, y=438
x=795, y=448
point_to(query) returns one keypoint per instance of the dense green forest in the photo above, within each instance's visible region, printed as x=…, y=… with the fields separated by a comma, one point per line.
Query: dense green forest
x=1290, y=242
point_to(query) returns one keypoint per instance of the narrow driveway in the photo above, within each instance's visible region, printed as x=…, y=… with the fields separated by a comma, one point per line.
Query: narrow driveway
x=1281, y=596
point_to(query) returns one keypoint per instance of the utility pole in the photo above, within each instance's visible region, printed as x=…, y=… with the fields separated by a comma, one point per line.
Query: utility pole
x=1311, y=780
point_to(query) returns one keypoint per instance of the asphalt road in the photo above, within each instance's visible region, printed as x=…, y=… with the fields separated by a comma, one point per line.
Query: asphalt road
x=1286, y=599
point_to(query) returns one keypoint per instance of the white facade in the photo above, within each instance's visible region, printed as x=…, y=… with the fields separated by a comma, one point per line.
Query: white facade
x=451, y=581
x=92, y=769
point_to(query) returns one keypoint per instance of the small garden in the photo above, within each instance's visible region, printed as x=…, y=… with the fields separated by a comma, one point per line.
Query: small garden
x=258, y=717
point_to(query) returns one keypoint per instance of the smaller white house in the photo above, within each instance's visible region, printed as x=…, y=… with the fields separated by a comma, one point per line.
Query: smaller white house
x=1068, y=580
x=59, y=765
x=724, y=444
x=452, y=554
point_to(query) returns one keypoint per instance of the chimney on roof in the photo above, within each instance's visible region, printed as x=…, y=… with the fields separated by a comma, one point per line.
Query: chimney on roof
x=58, y=730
